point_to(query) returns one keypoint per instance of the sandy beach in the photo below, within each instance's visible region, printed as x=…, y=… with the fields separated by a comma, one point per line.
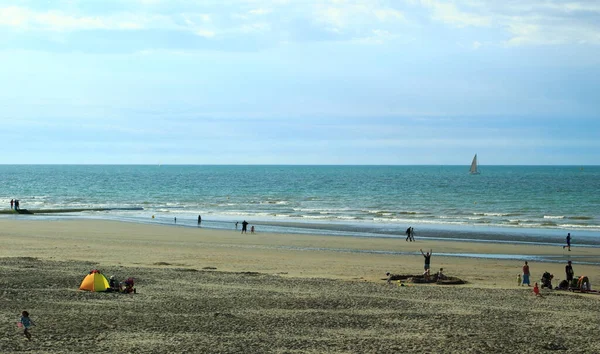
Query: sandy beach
x=203, y=290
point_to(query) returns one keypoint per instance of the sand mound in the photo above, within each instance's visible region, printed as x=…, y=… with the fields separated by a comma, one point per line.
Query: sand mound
x=420, y=279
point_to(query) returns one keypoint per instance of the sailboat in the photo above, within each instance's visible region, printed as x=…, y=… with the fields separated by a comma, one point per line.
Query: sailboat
x=474, y=170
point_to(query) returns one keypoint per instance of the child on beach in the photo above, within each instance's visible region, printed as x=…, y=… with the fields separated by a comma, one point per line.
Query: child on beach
x=26, y=323
x=536, y=290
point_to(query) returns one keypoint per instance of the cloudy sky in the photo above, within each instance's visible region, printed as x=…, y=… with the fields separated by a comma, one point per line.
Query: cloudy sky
x=300, y=81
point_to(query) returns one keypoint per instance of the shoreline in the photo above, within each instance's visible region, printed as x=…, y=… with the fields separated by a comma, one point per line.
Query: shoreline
x=426, y=231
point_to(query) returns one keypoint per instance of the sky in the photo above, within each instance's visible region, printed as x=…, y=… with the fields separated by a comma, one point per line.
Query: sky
x=396, y=82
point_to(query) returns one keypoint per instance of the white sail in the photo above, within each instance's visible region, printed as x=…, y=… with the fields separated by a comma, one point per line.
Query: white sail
x=474, y=170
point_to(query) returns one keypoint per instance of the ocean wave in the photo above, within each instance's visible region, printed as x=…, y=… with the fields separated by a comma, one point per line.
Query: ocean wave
x=580, y=218
x=275, y=202
x=496, y=214
x=554, y=217
x=579, y=226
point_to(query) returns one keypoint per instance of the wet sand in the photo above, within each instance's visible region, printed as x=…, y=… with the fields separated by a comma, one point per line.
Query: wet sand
x=206, y=290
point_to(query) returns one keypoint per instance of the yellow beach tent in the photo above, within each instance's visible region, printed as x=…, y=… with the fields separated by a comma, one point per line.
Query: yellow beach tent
x=94, y=281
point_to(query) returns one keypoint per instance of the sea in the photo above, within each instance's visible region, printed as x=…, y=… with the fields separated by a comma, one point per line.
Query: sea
x=511, y=204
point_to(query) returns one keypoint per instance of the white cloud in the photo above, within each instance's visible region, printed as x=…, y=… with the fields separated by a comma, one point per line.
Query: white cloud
x=25, y=19
x=259, y=12
x=450, y=14
x=476, y=45
x=205, y=33
x=339, y=15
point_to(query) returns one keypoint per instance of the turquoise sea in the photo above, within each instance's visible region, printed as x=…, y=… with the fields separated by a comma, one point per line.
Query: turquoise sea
x=537, y=204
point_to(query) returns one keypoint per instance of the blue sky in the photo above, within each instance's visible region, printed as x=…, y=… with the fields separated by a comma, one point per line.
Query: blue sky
x=300, y=82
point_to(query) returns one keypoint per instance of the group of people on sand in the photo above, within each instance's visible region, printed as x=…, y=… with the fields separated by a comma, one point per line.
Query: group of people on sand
x=410, y=234
x=245, y=227
x=126, y=286
x=427, y=268
x=14, y=204
x=581, y=283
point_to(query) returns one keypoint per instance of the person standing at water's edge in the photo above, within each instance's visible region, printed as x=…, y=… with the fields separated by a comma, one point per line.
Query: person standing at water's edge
x=199, y=220
x=568, y=242
x=236, y=224
x=245, y=227
x=12, y=203
x=408, y=234
x=427, y=259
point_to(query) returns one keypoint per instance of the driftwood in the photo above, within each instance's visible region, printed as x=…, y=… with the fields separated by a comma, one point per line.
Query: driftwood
x=420, y=279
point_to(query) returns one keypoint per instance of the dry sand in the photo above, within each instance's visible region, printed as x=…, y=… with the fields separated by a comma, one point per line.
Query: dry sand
x=277, y=293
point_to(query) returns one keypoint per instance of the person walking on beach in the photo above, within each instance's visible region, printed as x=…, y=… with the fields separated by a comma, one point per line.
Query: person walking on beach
x=236, y=224
x=569, y=272
x=427, y=259
x=526, y=274
x=568, y=242
x=26, y=323
x=412, y=233
x=245, y=227
x=199, y=220
x=17, y=207
x=12, y=203
x=408, y=235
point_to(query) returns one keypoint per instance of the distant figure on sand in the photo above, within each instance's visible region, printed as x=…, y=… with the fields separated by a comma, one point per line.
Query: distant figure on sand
x=526, y=274
x=569, y=272
x=412, y=233
x=408, y=235
x=175, y=219
x=199, y=220
x=236, y=224
x=252, y=229
x=568, y=241
x=17, y=207
x=26, y=323
x=12, y=203
x=536, y=290
x=427, y=259
x=244, y=227
x=519, y=279
x=440, y=274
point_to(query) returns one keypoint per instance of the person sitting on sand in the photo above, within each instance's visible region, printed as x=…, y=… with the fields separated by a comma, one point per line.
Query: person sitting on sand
x=547, y=280
x=583, y=283
x=114, y=284
x=426, y=275
x=440, y=274
x=129, y=283
x=389, y=278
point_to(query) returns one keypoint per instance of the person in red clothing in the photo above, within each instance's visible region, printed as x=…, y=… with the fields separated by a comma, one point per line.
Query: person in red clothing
x=536, y=290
